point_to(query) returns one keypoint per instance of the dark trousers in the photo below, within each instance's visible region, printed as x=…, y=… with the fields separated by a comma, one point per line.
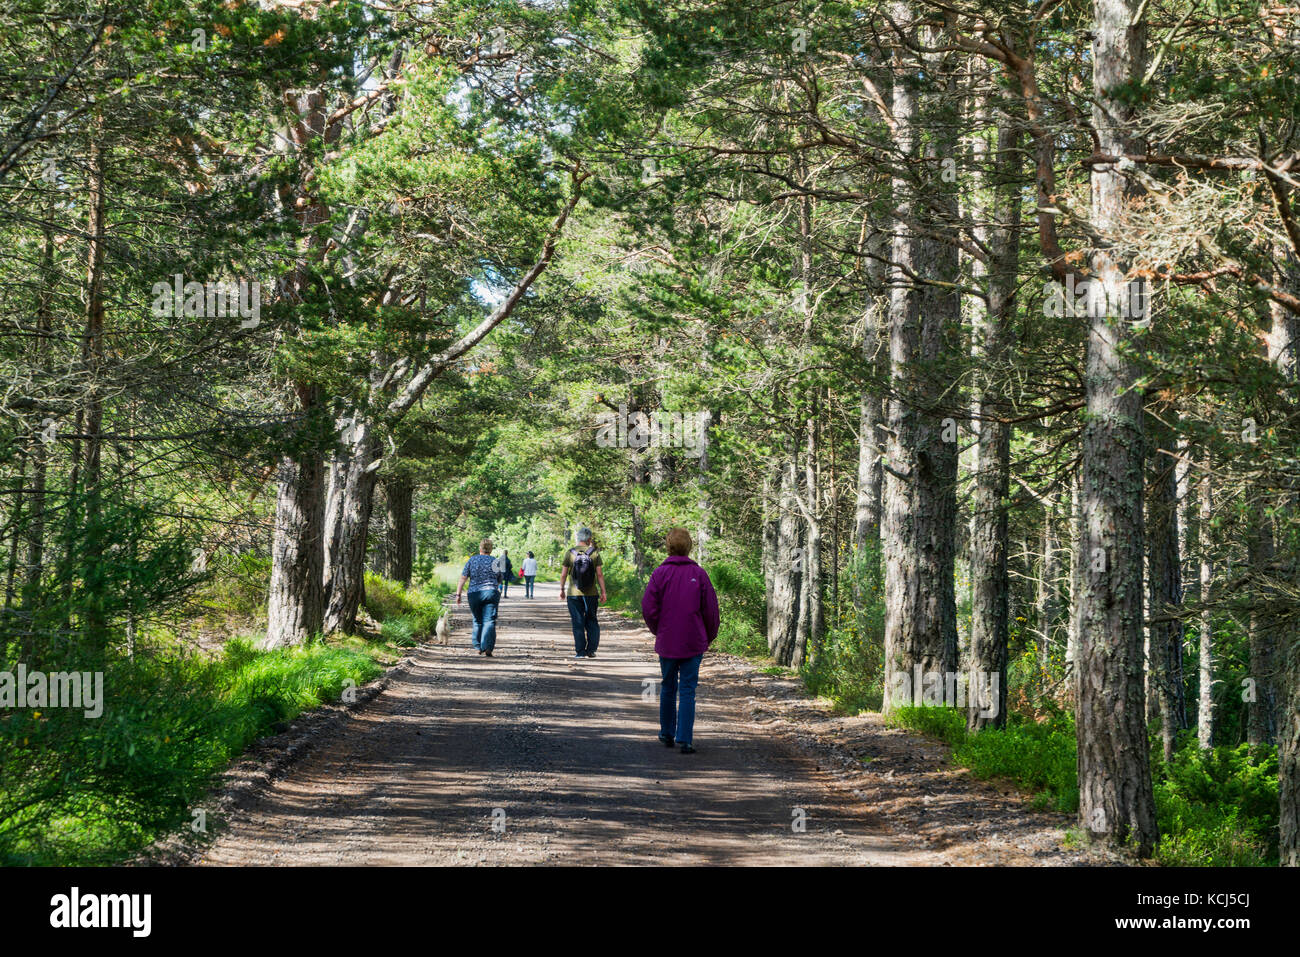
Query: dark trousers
x=586, y=629
x=681, y=675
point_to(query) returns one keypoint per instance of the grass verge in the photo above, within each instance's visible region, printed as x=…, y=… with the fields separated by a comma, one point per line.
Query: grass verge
x=1214, y=807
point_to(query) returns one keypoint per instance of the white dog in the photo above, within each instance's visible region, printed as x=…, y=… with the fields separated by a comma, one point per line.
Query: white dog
x=443, y=628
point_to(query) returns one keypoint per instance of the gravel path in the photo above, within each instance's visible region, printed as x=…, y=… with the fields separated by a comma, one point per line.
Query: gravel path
x=532, y=757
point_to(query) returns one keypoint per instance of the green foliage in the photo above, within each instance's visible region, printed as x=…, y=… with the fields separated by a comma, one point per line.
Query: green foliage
x=621, y=583
x=848, y=667
x=1214, y=808
x=399, y=631
x=78, y=790
x=236, y=590
x=1218, y=807
x=1036, y=755
x=406, y=615
x=740, y=604
x=384, y=599
x=946, y=724
x=1039, y=755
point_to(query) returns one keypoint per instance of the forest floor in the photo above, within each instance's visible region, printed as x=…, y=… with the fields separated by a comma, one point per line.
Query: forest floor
x=533, y=757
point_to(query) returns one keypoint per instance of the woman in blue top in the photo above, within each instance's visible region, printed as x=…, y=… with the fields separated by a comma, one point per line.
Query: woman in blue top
x=480, y=572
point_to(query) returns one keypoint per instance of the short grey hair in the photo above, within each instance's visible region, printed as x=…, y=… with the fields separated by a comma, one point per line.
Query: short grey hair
x=584, y=534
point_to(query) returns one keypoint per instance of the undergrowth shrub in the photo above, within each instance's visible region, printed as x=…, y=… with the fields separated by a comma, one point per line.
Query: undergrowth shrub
x=1215, y=807
x=78, y=790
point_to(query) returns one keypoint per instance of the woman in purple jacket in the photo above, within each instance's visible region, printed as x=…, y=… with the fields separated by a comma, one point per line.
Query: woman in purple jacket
x=680, y=608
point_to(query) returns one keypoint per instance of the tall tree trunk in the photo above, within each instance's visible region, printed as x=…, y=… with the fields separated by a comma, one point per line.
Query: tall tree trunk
x=1284, y=336
x=702, y=465
x=875, y=349
x=296, y=603
x=784, y=610
x=380, y=562
x=1116, y=801
x=347, y=523
x=999, y=231
x=1267, y=659
x=920, y=506
x=812, y=623
x=1205, y=701
x=1076, y=580
x=771, y=519
x=1165, y=587
x=95, y=623
x=399, y=495
x=1262, y=706
x=1289, y=768
x=1048, y=592
x=810, y=602
x=639, y=563
x=296, y=607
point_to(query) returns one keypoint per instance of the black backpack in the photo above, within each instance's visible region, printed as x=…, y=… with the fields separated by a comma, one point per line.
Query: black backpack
x=584, y=569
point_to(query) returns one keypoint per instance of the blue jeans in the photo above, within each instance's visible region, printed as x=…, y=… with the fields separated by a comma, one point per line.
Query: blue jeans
x=528, y=585
x=483, y=606
x=681, y=675
x=586, y=629
x=505, y=585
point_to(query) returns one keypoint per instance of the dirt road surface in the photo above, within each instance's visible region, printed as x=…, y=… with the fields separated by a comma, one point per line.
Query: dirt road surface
x=533, y=757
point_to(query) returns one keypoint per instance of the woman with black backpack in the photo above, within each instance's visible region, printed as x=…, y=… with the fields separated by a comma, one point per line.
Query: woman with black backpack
x=585, y=592
x=504, y=571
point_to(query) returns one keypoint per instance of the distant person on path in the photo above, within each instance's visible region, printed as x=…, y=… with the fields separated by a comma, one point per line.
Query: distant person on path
x=481, y=573
x=586, y=589
x=680, y=608
x=505, y=570
x=530, y=574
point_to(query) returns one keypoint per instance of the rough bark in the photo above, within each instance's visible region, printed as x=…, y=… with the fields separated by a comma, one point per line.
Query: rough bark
x=347, y=524
x=399, y=495
x=702, y=472
x=295, y=611
x=1283, y=337
x=875, y=349
x=919, y=513
x=783, y=611
x=379, y=537
x=1268, y=638
x=998, y=230
x=16, y=521
x=1164, y=585
x=1076, y=579
x=1205, y=656
x=812, y=622
x=1049, y=609
x=1116, y=801
x=1262, y=707
x=771, y=518
x=1289, y=769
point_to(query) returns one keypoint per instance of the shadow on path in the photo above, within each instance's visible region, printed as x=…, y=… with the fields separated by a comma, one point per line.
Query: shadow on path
x=532, y=756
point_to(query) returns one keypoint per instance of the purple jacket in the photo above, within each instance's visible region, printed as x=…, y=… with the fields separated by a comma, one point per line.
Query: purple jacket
x=680, y=607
